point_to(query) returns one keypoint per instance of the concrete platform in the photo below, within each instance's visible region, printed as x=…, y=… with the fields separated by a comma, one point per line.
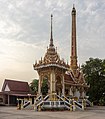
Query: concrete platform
x=91, y=113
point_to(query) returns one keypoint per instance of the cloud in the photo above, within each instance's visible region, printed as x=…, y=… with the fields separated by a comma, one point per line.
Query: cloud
x=25, y=32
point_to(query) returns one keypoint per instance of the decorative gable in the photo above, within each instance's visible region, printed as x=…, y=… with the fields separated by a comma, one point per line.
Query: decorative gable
x=7, y=88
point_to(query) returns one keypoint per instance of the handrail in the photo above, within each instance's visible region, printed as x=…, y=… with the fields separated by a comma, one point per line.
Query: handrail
x=66, y=98
x=66, y=103
x=26, y=104
x=38, y=99
x=78, y=105
x=40, y=96
x=39, y=103
x=60, y=97
x=46, y=97
x=43, y=100
x=63, y=100
x=88, y=102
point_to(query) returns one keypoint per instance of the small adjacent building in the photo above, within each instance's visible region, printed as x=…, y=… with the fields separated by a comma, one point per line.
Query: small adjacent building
x=12, y=90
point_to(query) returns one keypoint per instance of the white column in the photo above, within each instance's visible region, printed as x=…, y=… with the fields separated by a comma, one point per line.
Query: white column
x=8, y=99
x=63, y=85
x=39, y=85
x=51, y=82
x=71, y=93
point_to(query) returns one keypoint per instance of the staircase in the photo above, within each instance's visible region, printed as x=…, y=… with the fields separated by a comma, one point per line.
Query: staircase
x=58, y=103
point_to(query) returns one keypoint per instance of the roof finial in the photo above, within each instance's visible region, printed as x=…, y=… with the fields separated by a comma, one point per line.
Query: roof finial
x=74, y=10
x=73, y=5
x=51, y=39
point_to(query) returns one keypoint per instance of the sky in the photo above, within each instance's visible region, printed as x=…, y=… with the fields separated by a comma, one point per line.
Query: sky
x=25, y=33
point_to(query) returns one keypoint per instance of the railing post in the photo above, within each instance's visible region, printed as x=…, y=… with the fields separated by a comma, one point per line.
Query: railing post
x=35, y=107
x=71, y=108
x=74, y=106
x=22, y=103
x=59, y=104
x=50, y=103
x=64, y=98
x=85, y=103
x=17, y=104
x=39, y=108
x=92, y=104
x=82, y=104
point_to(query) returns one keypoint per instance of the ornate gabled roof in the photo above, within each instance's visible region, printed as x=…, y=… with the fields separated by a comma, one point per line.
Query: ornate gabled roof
x=69, y=79
x=51, y=57
x=75, y=79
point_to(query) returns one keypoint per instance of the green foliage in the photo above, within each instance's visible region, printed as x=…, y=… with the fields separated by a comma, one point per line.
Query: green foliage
x=102, y=101
x=34, y=86
x=94, y=71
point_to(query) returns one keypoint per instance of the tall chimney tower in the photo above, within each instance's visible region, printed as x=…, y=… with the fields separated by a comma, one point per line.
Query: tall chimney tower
x=73, y=64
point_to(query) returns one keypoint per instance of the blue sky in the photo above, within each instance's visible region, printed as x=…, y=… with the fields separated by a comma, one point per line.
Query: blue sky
x=25, y=33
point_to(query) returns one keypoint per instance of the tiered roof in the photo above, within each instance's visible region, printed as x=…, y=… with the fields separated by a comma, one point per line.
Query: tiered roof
x=51, y=57
x=75, y=80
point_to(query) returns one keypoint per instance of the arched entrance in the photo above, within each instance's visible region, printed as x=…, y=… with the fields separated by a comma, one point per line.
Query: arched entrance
x=58, y=85
x=45, y=85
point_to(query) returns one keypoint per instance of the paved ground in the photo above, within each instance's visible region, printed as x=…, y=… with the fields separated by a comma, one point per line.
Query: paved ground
x=91, y=113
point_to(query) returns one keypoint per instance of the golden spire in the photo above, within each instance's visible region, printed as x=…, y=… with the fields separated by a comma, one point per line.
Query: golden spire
x=51, y=39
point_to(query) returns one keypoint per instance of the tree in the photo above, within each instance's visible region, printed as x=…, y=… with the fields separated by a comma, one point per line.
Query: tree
x=34, y=86
x=94, y=72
